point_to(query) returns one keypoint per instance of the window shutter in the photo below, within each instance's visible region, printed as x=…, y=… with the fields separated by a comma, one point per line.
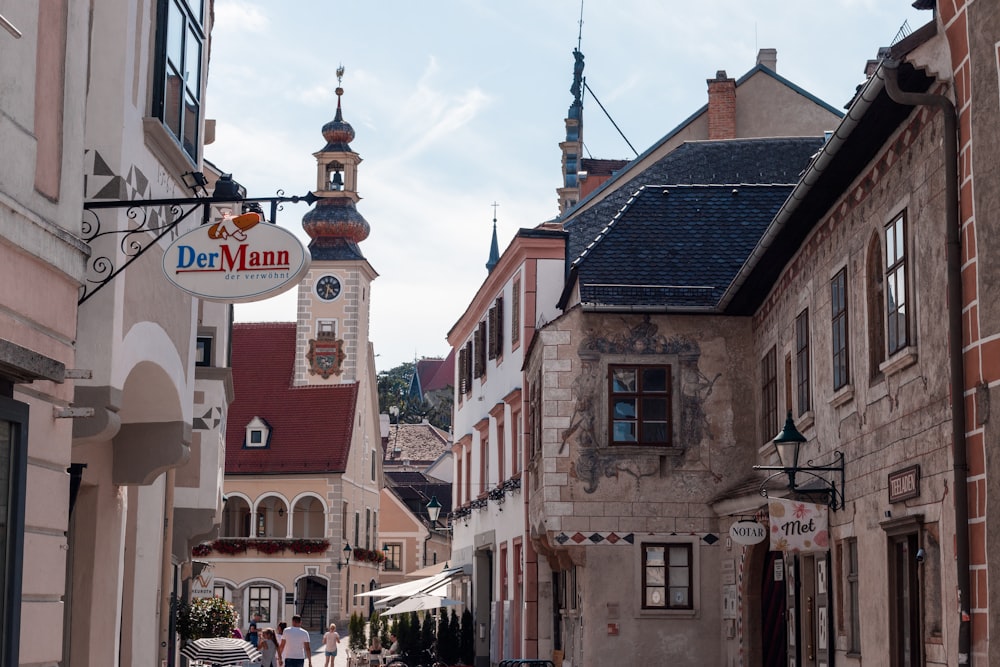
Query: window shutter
x=499, y=326
x=492, y=347
x=463, y=367
x=468, y=367
x=480, y=351
x=515, y=313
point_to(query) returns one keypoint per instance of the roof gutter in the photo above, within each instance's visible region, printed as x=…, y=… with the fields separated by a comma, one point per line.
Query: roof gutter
x=889, y=73
x=814, y=172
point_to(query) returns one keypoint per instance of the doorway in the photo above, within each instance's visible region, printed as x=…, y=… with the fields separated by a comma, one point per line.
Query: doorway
x=311, y=595
x=774, y=624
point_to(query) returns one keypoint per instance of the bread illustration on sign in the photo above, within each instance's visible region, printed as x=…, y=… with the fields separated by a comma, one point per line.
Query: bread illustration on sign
x=235, y=227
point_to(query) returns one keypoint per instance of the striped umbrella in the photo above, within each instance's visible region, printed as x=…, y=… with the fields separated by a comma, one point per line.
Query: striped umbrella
x=220, y=651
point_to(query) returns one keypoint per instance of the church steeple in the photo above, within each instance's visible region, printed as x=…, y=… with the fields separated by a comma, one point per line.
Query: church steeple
x=334, y=298
x=494, y=246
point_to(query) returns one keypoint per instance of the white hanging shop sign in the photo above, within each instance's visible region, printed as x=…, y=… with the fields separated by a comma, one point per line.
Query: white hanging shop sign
x=236, y=260
x=747, y=532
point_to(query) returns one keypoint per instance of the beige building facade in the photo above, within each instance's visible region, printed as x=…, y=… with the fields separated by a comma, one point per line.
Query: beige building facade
x=304, y=447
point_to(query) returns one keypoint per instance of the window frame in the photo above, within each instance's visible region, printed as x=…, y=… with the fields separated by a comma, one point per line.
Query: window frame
x=769, y=394
x=802, y=376
x=667, y=545
x=257, y=427
x=896, y=271
x=253, y=593
x=640, y=395
x=393, y=557
x=840, y=330
x=16, y=414
x=191, y=14
x=203, y=350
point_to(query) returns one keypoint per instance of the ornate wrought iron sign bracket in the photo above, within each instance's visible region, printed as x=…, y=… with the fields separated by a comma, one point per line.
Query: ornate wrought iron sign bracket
x=149, y=220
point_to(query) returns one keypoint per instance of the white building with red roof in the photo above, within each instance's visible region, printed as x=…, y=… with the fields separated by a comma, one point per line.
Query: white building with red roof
x=303, y=446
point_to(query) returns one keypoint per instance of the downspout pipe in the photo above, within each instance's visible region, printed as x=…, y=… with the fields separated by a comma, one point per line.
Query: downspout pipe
x=889, y=73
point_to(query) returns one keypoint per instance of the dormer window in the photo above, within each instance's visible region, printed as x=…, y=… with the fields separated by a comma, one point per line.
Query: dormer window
x=258, y=434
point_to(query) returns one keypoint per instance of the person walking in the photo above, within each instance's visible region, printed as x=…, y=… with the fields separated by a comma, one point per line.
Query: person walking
x=268, y=647
x=294, y=646
x=331, y=639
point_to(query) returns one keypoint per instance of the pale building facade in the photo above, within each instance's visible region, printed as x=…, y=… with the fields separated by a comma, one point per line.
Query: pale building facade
x=490, y=494
x=125, y=481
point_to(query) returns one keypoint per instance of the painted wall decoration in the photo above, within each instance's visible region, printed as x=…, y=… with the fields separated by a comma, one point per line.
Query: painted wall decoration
x=326, y=356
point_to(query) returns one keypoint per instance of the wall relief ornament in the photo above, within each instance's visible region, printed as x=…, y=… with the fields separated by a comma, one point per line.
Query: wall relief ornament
x=595, y=460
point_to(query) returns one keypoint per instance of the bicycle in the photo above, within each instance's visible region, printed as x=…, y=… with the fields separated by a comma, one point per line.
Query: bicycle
x=426, y=658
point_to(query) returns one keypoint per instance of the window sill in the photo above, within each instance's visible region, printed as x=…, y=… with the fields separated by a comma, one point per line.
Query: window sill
x=806, y=420
x=842, y=396
x=639, y=450
x=667, y=613
x=902, y=359
x=165, y=147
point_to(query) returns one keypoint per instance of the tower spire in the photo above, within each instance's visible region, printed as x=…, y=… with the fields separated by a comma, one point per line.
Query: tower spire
x=494, y=246
x=334, y=225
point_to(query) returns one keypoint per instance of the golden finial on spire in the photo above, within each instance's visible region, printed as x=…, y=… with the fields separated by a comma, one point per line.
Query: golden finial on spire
x=340, y=74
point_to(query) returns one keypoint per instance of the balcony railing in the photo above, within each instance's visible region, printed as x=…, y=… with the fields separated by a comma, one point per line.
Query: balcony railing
x=238, y=546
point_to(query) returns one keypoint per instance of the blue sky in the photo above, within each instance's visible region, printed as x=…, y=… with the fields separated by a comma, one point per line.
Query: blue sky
x=460, y=103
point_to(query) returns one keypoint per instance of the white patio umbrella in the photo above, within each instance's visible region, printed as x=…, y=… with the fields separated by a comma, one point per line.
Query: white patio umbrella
x=220, y=651
x=420, y=603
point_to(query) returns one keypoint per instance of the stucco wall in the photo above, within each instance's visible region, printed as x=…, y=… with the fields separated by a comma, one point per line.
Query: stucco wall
x=894, y=413
x=616, y=497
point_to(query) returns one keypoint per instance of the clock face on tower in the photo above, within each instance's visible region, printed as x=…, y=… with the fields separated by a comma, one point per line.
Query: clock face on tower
x=328, y=288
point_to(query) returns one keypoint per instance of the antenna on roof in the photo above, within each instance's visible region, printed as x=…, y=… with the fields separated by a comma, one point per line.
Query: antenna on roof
x=579, y=36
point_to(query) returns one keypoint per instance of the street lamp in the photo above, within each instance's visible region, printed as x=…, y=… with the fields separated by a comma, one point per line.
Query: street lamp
x=433, y=509
x=347, y=557
x=787, y=445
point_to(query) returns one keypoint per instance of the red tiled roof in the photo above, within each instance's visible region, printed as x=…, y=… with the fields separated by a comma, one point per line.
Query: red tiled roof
x=426, y=369
x=444, y=375
x=311, y=427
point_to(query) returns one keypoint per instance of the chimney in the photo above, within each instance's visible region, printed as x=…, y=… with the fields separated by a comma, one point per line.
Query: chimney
x=768, y=58
x=721, y=107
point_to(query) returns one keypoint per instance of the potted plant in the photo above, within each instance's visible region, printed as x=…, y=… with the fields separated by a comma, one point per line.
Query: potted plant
x=356, y=628
x=206, y=617
x=467, y=653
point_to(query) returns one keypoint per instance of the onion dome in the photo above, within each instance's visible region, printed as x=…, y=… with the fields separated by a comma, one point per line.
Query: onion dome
x=338, y=132
x=335, y=217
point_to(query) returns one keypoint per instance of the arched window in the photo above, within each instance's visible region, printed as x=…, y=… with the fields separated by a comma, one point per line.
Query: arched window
x=309, y=518
x=236, y=518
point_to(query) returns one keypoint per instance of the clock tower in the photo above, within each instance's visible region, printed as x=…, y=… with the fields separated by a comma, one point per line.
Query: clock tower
x=334, y=298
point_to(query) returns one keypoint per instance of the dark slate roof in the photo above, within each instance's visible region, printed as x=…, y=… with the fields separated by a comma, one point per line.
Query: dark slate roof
x=855, y=145
x=415, y=489
x=700, y=162
x=676, y=245
x=311, y=427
